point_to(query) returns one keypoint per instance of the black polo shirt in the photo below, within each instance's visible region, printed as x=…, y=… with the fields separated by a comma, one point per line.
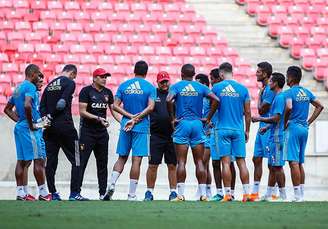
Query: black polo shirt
x=98, y=103
x=159, y=119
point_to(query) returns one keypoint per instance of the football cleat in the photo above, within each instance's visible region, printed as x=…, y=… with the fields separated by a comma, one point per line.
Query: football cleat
x=149, y=196
x=227, y=198
x=21, y=198
x=255, y=196
x=173, y=195
x=266, y=198
x=203, y=199
x=179, y=198
x=132, y=198
x=246, y=198
x=45, y=198
x=77, y=197
x=55, y=196
x=29, y=197
x=274, y=197
x=109, y=194
x=217, y=197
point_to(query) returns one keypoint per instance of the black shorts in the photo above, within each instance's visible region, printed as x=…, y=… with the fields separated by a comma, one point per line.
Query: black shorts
x=160, y=146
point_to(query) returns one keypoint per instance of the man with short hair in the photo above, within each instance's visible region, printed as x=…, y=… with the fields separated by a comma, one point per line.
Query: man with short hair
x=28, y=134
x=298, y=100
x=261, y=148
x=216, y=160
x=203, y=79
x=94, y=100
x=275, y=126
x=56, y=102
x=231, y=133
x=188, y=127
x=161, y=143
x=138, y=98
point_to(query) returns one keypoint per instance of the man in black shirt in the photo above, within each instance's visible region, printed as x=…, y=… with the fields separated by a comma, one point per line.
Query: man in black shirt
x=56, y=102
x=160, y=140
x=94, y=100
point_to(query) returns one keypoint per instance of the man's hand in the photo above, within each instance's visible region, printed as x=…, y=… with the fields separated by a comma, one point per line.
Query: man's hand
x=256, y=119
x=263, y=130
x=286, y=125
x=174, y=123
x=246, y=136
x=103, y=122
x=129, y=125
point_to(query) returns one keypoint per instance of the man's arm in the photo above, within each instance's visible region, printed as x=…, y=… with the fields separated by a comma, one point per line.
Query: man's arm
x=170, y=108
x=264, y=108
x=115, y=115
x=43, y=104
x=9, y=111
x=288, y=111
x=214, y=106
x=318, y=108
x=67, y=94
x=28, y=111
x=117, y=107
x=247, y=111
x=147, y=110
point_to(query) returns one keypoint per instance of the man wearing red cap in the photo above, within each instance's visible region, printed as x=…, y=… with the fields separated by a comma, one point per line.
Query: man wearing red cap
x=94, y=100
x=160, y=140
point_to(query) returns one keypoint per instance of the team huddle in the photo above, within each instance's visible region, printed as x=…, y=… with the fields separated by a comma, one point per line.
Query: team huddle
x=163, y=122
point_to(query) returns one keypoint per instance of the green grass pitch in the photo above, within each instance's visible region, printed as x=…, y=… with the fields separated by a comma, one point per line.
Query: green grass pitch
x=162, y=214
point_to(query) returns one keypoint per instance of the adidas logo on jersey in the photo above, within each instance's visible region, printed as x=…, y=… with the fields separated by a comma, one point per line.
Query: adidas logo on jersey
x=229, y=91
x=189, y=90
x=54, y=86
x=302, y=96
x=134, y=88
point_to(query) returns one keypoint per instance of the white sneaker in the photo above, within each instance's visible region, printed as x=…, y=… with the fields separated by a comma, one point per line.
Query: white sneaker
x=298, y=199
x=266, y=198
x=132, y=198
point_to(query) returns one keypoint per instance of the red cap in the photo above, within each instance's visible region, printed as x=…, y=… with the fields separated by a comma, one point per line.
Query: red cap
x=161, y=76
x=100, y=72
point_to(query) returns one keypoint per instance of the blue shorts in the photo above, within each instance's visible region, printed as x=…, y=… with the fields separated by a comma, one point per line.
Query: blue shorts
x=276, y=154
x=262, y=144
x=296, y=136
x=138, y=142
x=214, y=146
x=189, y=132
x=29, y=144
x=231, y=143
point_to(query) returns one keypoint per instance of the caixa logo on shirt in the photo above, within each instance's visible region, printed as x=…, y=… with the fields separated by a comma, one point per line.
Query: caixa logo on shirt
x=54, y=86
x=99, y=105
x=134, y=88
x=189, y=90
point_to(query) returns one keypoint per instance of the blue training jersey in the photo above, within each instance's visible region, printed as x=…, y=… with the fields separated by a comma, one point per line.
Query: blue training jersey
x=189, y=99
x=267, y=97
x=135, y=94
x=233, y=96
x=26, y=89
x=278, y=107
x=301, y=99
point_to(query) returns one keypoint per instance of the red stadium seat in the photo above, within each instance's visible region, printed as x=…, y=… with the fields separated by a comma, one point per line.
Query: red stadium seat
x=43, y=49
x=33, y=38
x=122, y=7
x=186, y=41
x=92, y=28
x=136, y=40
x=77, y=49
x=252, y=6
x=129, y=50
x=139, y=7
x=146, y=50
x=65, y=16
x=74, y=28
x=197, y=52
x=296, y=45
x=82, y=17
x=95, y=49
x=105, y=59
x=313, y=43
x=286, y=36
x=23, y=26
x=323, y=54
x=163, y=51
x=320, y=67
x=263, y=13
x=85, y=39
x=47, y=16
x=102, y=39
x=274, y=25
x=99, y=17
x=127, y=29
x=61, y=49
x=214, y=52
x=15, y=38
x=87, y=59
x=302, y=32
x=72, y=6
x=58, y=27
x=68, y=38
x=308, y=59
x=105, y=7
x=153, y=40
x=14, y=16
x=180, y=51
x=73, y=59
x=113, y=50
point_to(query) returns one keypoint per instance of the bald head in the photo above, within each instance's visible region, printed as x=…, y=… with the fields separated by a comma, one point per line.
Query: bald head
x=187, y=71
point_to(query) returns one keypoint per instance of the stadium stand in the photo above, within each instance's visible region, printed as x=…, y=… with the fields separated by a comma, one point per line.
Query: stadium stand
x=114, y=35
x=300, y=25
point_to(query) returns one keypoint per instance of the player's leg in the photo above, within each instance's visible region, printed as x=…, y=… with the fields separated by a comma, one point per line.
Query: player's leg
x=140, y=149
x=157, y=148
x=258, y=170
x=292, y=150
x=233, y=177
x=303, y=142
x=302, y=172
x=238, y=146
x=198, y=154
x=25, y=183
x=277, y=162
x=226, y=175
x=216, y=164
x=70, y=144
x=170, y=159
x=87, y=143
x=182, y=151
x=124, y=145
x=19, y=175
x=101, y=155
x=206, y=159
x=52, y=150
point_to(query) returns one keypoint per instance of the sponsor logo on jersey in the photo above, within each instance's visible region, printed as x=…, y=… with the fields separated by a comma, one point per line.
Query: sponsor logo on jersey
x=99, y=105
x=302, y=96
x=134, y=88
x=189, y=90
x=54, y=86
x=229, y=91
